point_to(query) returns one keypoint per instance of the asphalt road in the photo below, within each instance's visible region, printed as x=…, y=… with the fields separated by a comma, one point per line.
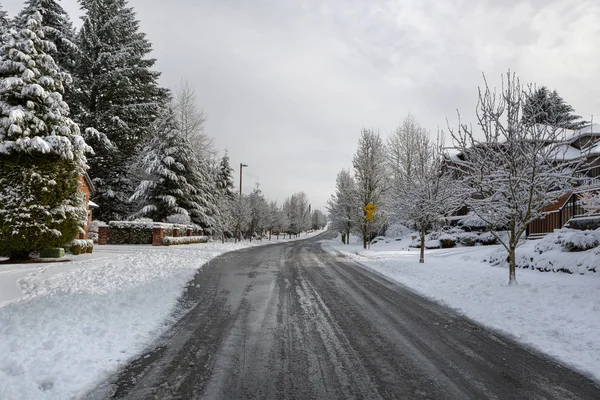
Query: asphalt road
x=291, y=321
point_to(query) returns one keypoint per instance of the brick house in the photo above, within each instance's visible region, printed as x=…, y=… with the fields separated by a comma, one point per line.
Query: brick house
x=87, y=188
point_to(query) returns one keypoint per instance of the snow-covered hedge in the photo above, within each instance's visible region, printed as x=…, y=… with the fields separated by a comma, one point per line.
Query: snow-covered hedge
x=565, y=250
x=79, y=246
x=446, y=240
x=472, y=222
x=170, y=240
x=140, y=232
x=433, y=244
x=467, y=239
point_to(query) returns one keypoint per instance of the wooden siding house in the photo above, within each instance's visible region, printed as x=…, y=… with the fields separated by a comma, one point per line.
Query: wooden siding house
x=575, y=145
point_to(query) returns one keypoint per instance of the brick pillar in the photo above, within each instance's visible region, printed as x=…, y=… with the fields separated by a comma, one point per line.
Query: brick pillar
x=189, y=232
x=175, y=232
x=102, y=235
x=158, y=234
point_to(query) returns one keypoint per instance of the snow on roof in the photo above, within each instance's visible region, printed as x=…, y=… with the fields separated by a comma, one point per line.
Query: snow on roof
x=567, y=152
x=572, y=135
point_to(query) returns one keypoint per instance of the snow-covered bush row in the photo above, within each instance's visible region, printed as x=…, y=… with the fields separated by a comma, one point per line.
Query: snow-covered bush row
x=457, y=236
x=79, y=246
x=140, y=232
x=565, y=250
x=467, y=239
x=146, y=223
x=170, y=240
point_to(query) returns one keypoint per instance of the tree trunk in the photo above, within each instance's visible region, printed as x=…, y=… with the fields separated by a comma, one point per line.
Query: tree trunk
x=422, y=235
x=512, y=264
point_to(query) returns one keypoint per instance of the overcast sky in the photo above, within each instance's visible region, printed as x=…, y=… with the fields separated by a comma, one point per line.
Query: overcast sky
x=288, y=85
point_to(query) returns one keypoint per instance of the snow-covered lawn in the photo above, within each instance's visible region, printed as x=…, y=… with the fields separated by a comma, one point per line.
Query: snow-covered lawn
x=556, y=313
x=66, y=326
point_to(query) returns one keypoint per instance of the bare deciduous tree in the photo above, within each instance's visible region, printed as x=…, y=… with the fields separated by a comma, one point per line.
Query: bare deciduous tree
x=191, y=119
x=419, y=191
x=511, y=170
x=370, y=174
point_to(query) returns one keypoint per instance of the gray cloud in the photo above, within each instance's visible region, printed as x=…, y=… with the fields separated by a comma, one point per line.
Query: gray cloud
x=287, y=86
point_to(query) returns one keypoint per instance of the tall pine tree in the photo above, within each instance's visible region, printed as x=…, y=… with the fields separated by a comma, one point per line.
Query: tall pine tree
x=547, y=107
x=42, y=154
x=3, y=22
x=225, y=178
x=57, y=28
x=169, y=164
x=117, y=98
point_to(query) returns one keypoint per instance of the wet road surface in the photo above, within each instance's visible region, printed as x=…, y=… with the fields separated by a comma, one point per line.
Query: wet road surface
x=291, y=321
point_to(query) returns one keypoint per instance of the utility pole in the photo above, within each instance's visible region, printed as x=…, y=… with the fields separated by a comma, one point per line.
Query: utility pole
x=239, y=222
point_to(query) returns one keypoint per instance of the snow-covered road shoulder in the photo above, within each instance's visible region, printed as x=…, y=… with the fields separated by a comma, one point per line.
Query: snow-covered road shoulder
x=66, y=326
x=555, y=313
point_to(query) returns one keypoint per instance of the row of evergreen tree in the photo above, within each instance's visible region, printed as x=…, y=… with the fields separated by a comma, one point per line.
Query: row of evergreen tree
x=88, y=100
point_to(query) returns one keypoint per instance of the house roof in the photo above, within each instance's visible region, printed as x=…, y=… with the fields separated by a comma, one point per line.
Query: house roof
x=558, y=204
x=89, y=183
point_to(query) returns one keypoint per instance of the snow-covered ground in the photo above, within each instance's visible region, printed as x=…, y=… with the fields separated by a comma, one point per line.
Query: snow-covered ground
x=556, y=313
x=66, y=326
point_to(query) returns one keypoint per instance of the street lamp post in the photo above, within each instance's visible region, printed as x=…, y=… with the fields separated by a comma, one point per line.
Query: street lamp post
x=242, y=165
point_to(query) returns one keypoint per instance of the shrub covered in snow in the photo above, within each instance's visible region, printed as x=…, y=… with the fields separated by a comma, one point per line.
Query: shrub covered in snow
x=472, y=222
x=447, y=240
x=79, y=246
x=581, y=241
x=433, y=244
x=487, y=239
x=468, y=239
x=553, y=253
x=170, y=240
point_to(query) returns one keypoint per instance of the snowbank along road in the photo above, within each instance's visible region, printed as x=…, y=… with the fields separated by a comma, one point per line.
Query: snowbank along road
x=292, y=321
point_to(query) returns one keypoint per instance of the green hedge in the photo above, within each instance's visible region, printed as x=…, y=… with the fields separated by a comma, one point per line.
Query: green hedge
x=140, y=232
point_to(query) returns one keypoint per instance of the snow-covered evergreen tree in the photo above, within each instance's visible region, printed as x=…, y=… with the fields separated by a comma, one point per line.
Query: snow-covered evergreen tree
x=117, y=98
x=4, y=22
x=57, y=28
x=345, y=212
x=543, y=106
x=169, y=163
x=370, y=175
x=42, y=153
x=176, y=181
x=225, y=178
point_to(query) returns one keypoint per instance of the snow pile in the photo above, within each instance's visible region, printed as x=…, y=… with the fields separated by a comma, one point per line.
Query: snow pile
x=557, y=314
x=79, y=326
